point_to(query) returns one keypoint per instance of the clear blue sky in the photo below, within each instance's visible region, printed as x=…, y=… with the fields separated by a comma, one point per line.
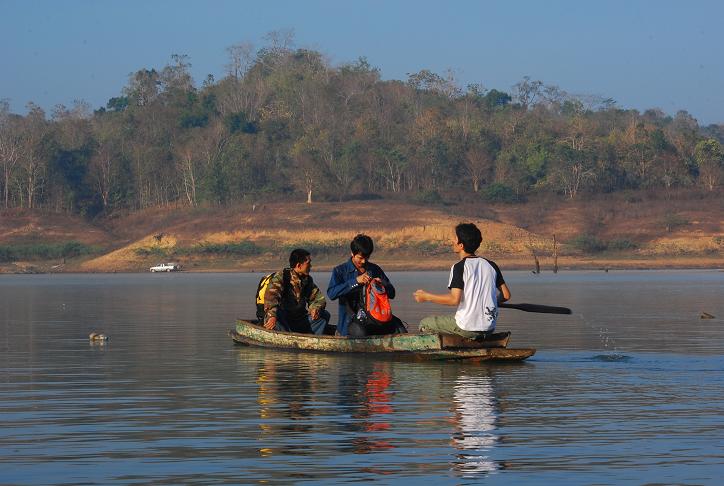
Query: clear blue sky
x=644, y=54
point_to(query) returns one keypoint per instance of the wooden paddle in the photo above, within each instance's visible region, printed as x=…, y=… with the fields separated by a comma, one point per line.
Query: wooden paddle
x=543, y=309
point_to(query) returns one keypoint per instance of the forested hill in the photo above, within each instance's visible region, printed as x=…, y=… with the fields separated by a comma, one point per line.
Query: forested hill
x=285, y=121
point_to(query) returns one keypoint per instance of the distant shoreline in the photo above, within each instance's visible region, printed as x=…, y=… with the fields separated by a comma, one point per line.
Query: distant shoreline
x=565, y=264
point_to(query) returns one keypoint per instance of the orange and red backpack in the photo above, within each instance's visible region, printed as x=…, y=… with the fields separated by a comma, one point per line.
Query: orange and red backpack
x=377, y=302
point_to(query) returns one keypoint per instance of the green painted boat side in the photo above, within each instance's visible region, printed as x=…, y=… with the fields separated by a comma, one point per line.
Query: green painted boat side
x=416, y=346
x=260, y=336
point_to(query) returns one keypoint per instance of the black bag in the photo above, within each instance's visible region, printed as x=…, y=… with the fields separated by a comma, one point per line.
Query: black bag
x=363, y=325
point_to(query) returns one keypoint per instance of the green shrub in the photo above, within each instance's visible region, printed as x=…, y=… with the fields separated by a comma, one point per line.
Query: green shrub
x=621, y=244
x=155, y=251
x=362, y=196
x=488, y=246
x=74, y=249
x=242, y=248
x=673, y=221
x=45, y=251
x=588, y=244
x=429, y=197
x=427, y=247
x=317, y=247
x=497, y=192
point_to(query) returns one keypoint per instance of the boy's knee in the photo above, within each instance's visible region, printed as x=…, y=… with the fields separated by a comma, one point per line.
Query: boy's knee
x=426, y=323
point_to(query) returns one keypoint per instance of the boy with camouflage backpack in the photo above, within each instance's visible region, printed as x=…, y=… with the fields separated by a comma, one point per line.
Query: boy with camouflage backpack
x=292, y=301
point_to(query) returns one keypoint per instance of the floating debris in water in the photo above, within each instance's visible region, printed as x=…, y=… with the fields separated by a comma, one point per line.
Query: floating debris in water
x=706, y=315
x=97, y=337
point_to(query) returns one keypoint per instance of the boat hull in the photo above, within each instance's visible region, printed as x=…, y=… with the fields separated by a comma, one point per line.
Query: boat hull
x=411, y=346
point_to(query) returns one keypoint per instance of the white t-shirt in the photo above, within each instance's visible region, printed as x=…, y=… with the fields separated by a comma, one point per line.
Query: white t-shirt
x=479, y=279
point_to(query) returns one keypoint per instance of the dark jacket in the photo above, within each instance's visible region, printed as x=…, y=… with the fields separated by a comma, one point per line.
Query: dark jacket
x=343, y=286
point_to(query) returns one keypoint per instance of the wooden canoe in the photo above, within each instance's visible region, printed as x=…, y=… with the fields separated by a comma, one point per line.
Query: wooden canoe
x=415, y=346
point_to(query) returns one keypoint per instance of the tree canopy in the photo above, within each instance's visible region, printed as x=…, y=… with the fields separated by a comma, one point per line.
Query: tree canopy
x=285, y=121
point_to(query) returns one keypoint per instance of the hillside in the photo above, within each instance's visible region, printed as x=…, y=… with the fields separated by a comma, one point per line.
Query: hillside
x=607, y=232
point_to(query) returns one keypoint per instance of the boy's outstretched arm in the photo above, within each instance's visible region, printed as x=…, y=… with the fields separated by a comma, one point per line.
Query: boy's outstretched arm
x=452, y=298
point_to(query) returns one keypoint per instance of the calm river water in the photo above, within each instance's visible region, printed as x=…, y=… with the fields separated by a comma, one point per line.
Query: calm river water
x=628, y=389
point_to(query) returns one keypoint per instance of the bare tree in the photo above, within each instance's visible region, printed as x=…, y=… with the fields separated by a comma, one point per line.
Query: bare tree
x=186, y=167
x=571, y=169
x=572, y=176
x=241, y=57
x=395, y=165
x=104, y=160
x=186, y=163
x=101, y=171
x=10, y=147
x=477, y=163
x=527, y=91
x=31, y=163
x=307, y=157
x=176, y=76
x=282, y=39
x=553, y=96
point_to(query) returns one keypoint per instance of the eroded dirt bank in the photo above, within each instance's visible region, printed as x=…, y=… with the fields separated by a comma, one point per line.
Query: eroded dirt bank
x=615, y=233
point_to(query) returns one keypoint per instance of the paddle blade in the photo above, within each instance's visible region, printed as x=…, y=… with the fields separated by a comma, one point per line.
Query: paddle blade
x=541, y=309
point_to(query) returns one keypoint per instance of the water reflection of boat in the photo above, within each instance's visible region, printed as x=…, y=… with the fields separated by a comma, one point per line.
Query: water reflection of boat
x=414, y=346
x=375, y=413
x=285, y=408
x=369, y=417
x=475, y=416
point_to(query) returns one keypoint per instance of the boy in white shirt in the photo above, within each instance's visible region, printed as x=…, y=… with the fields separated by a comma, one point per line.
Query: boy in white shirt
x=476, y=287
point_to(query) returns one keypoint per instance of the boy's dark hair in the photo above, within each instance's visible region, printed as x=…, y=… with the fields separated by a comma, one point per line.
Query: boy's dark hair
x=362, y=244
x=298, y=256
x=469, y=235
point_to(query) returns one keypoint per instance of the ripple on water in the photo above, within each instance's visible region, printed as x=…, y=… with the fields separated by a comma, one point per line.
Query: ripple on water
x=611, y=358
